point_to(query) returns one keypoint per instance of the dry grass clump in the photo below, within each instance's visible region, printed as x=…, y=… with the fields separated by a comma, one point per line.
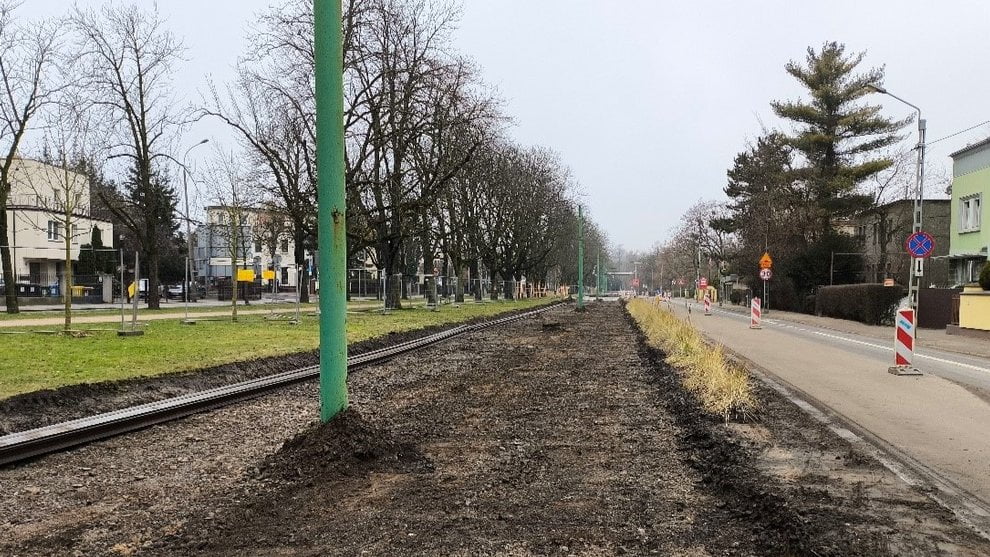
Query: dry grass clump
x=722, y=387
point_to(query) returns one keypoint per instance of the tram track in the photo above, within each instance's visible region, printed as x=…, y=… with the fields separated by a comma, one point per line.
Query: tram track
x=24, y=445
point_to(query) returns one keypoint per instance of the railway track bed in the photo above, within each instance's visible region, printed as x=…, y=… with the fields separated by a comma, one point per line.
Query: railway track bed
x=524, y=439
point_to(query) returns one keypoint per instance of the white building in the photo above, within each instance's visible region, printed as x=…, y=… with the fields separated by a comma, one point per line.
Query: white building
x=36, y=227
x=266, y=245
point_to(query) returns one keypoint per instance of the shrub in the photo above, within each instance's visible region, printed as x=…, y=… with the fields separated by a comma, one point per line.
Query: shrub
x=723, y=388
x=873, y=304
x=985, y=276
x=809, y=304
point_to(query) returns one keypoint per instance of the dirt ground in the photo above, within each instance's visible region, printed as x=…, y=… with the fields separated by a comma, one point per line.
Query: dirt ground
x=557, y=435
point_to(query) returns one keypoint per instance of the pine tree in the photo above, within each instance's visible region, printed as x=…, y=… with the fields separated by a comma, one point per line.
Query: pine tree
x=838, y=136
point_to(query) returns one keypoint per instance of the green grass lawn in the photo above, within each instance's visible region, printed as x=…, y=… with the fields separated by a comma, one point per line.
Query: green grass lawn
x=29, y=362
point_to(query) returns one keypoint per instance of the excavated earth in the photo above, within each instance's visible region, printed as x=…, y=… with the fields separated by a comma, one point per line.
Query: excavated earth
x=562, y=434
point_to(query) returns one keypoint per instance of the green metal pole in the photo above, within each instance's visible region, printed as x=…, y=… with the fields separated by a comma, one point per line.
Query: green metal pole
x=580, y=302
x=332, y=206
x=598, y=275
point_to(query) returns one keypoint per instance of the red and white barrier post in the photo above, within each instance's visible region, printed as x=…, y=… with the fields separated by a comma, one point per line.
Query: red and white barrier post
x=708, y=303
x=755, y=314
x=904, y=333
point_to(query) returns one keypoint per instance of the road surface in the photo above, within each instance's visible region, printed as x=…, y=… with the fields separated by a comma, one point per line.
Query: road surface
x=940, y=419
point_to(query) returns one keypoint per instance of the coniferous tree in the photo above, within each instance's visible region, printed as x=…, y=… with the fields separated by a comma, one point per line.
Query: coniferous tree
x=837, y=134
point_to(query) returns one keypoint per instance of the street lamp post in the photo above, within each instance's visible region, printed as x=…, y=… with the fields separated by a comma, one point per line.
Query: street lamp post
x=914, y=285
x=189, y=252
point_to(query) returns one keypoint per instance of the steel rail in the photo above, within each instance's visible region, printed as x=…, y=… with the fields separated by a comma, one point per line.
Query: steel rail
x=31, y=443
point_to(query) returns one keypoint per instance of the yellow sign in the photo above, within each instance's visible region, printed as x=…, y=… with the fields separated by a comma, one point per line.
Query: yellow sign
x=245, y=275
x=268, y=275
x=766, y=261
x=130, y=290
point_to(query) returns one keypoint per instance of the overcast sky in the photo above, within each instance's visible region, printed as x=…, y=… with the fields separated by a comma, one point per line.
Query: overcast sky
x=649, y=101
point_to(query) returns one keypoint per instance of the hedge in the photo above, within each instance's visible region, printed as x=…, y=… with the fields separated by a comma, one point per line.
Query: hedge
x=873, y=304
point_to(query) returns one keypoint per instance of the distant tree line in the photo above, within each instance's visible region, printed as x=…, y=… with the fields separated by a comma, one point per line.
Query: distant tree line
x=431, y=173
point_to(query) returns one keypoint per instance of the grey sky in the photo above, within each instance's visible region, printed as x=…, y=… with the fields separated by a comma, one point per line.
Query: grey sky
x=649, y=101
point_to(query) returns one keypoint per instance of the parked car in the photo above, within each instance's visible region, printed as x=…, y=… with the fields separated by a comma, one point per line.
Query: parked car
x=174, y=291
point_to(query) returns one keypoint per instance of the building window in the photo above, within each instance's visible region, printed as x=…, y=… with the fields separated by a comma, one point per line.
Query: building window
x=285, y=245
x=257, y=246
x=75, y=234
x=970, y=213
x=53, y=231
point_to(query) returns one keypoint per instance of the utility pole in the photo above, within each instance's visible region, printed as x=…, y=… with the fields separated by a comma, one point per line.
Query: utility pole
x=190, y=270
x=919, y=190
x=580, y=302
x=332, y=206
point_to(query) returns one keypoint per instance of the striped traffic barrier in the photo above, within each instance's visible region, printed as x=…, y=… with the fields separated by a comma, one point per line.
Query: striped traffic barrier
x=904, y=333
x=708, y=304
x=755, y=314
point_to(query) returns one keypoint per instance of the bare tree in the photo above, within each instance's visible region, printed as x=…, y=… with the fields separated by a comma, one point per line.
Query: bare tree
x=127, y=57
x=234, y=194
x=59, y=185
x=27, y=65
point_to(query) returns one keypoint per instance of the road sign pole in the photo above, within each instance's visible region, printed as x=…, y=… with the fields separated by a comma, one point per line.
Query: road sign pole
x=331, y=206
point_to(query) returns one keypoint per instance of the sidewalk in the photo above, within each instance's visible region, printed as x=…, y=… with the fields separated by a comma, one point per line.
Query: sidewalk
x=934, y=339
x=933, y=419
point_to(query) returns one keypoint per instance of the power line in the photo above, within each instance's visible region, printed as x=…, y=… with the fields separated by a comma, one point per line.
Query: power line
x=958, y=132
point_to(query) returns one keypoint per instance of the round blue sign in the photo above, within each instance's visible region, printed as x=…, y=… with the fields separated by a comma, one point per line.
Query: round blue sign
x=920, y=244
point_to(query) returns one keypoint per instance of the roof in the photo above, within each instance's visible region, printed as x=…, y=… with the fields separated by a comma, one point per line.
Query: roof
x=968, y=148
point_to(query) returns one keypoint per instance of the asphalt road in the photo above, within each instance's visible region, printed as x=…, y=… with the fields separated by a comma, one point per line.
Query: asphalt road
x=941, y=419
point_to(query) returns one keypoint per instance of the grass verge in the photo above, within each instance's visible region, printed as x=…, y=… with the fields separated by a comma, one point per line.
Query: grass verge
x=723, y=388
x=30, y=362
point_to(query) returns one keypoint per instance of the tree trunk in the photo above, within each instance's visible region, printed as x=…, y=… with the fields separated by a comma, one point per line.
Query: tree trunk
x=393, y=298
x=154, y=258
x=508, y=287
x=9, y=281
x=67, y=278
x=234, y=283
x=462, y=277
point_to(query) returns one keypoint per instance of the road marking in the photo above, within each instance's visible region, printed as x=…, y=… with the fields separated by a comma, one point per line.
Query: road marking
x=860, y=342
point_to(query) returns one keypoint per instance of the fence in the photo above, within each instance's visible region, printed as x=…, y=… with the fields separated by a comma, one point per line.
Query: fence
x=935, y=307
x=245, y=291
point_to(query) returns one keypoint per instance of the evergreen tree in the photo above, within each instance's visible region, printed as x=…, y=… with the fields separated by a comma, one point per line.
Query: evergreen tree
x=92, y=257
x=838, y=135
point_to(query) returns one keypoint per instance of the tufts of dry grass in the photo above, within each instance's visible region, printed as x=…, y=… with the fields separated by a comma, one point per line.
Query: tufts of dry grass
x=722, y=387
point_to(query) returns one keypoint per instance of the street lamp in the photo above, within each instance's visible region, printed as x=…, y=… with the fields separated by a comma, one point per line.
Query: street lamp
x=914, y=286
x=189, y=252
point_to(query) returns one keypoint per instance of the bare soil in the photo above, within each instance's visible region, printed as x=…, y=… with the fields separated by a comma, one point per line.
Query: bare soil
x=558, y=435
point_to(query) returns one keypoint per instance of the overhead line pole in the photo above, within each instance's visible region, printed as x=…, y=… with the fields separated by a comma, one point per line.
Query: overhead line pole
x=580, y=302
x=331, y=206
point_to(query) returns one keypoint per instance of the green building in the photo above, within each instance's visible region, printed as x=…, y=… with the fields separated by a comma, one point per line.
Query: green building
x=968, y=239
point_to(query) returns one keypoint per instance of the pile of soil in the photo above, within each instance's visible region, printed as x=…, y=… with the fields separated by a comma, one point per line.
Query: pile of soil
x=346, y=445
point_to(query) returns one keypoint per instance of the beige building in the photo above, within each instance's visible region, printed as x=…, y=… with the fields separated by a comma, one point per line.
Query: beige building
x=39, y=198
x=265, y=244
